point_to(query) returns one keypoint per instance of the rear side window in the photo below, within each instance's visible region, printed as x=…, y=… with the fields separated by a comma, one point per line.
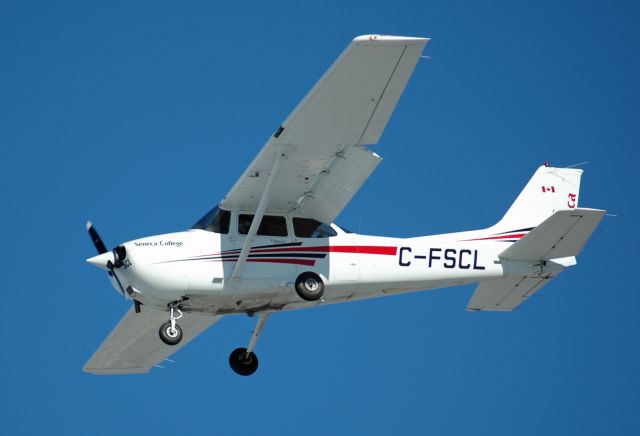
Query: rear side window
x=271, y=225
x=308, y=228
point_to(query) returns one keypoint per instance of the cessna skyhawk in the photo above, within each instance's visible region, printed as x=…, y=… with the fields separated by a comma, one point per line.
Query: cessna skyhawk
x=269, y=245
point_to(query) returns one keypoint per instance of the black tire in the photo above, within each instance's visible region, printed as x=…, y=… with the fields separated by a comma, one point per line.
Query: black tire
x=242, y=363
x=169, y=337
x=309, y=286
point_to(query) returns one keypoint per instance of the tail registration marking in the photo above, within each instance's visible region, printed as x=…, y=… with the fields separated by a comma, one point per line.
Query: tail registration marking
x=447, y=257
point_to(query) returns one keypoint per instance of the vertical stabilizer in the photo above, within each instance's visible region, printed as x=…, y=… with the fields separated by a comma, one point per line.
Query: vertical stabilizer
x=548, y=191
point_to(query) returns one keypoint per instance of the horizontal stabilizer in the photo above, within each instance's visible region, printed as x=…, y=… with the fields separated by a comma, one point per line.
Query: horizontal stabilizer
x=563, y=234
x=504, y=295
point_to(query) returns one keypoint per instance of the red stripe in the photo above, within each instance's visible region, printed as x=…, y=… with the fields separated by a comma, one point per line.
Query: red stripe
x=370, y=249
x=366, y=249
x=514, y=236
x=306, y=262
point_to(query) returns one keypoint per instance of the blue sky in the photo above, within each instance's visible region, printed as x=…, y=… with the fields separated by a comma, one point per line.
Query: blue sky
x=141, y=115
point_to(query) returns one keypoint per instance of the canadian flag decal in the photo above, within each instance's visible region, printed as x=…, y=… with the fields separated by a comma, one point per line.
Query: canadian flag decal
x=548, y=189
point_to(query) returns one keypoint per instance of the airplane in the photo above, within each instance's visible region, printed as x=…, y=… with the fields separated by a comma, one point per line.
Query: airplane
x=270, y=245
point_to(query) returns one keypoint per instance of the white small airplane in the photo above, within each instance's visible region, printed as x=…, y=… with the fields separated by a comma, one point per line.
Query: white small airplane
x=269, y=245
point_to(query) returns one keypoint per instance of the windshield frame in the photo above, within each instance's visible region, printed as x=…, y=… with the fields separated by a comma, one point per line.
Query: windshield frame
x=217, y=220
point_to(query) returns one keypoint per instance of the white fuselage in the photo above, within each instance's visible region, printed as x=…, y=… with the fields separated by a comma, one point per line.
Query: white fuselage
x=194, y=267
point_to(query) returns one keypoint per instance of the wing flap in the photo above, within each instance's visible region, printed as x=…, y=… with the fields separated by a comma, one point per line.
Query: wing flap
x=563, y=234
x=339, y=184
x=134, y=346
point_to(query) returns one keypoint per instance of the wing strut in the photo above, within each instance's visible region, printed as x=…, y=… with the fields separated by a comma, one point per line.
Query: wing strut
x=257, y=218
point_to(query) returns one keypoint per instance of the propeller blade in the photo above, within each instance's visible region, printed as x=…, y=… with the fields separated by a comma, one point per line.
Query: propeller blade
x=112, y=273
x=96, y=239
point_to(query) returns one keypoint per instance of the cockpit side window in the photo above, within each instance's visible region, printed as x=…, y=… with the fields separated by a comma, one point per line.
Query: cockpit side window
x=271, y=225
x=309, y=228
x=216, y=220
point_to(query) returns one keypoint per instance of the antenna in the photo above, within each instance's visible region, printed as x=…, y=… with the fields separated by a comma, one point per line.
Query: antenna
x=578, y=164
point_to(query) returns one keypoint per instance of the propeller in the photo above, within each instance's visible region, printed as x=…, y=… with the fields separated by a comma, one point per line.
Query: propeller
x=96, y=239
x=116, y=261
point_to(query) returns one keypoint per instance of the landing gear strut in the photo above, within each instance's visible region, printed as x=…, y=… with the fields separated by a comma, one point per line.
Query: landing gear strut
x=243, y=361
x=170, y=331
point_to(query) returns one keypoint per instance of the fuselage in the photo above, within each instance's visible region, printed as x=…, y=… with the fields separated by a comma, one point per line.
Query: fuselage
x=194, y=267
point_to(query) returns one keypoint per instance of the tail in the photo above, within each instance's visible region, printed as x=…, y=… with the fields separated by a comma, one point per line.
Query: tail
x=552, y=231
x=549, y=190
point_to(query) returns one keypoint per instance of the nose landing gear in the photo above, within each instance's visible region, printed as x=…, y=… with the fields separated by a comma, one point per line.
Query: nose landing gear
x=243, y=361
x=170, y=331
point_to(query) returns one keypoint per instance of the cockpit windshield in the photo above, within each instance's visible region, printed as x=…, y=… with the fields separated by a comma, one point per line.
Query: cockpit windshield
x=216, y=220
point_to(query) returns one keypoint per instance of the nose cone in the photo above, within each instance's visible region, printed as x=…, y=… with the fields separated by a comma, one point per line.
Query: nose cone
x=101, y=260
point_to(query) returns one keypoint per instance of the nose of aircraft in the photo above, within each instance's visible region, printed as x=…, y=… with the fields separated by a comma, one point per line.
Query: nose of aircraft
x=101, y=260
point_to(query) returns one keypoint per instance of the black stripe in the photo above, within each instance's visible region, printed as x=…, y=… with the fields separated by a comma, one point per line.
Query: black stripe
x=235, y=256
x=514, y=231
x=252, y=256
x=287, y=244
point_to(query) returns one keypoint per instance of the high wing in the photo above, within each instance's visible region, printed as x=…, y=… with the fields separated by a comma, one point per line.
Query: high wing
x=322, y=141
x=134, y=346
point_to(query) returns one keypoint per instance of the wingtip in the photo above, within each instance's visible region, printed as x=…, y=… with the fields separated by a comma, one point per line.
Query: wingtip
x=405, y=40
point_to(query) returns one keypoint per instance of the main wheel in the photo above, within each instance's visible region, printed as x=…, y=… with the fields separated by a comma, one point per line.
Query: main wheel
x=170, y=336
x=243, y=363
x=309, y=286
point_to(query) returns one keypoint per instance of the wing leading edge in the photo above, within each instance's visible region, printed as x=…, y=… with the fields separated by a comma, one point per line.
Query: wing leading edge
x=324, y=137
x=134, y=346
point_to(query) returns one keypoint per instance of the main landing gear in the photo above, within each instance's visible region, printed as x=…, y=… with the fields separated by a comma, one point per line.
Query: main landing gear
x=309, y=286
x=243, y=361
x=170, y=331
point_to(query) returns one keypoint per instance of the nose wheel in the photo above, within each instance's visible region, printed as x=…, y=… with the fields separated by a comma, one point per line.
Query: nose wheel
x=243, y=361
x=170, y=331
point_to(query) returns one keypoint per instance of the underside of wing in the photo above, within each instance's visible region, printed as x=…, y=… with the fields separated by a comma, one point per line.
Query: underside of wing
x=134, y=346
x=324, y=137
